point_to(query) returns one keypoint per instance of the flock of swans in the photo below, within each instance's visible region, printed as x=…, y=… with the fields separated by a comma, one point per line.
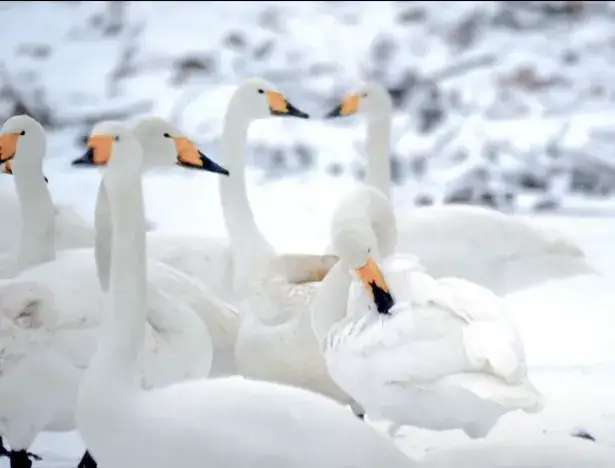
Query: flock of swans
x=212, y=352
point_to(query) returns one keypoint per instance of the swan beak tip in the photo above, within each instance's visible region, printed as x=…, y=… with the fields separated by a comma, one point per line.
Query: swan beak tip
x=211, y=166
x=86, y=160
x=293, y=111
x=337, y=112
x=203, y=164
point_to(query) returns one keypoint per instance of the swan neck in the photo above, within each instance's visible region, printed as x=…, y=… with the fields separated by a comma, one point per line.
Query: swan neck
x=37, y=239
x=123, y=339
x=102, y=237
x=329, y=305
x=249, y=246
x=378, y=153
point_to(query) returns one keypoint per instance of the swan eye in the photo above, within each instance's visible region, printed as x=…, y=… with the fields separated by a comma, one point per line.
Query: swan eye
x=260, y=91
x=364, y=95
x=369, y=250
x=22, y=133
x=117, y=138
x=166, y=135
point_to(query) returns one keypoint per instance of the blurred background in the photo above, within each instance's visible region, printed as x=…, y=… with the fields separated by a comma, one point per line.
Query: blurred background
x=507, y=104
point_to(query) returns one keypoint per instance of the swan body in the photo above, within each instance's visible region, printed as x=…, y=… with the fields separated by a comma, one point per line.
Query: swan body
x=438, y=354
x=33, y=227
x=275, y=341
x=50, y=322
x=220, y=422
x=487, y=247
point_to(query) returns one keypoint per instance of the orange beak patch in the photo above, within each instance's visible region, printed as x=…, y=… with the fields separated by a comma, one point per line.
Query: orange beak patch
x=187, y=152
x=350, y=105
x=8, y=146
x=370, y=273
x=101, y=148
x=277, y=103
x=372, y=279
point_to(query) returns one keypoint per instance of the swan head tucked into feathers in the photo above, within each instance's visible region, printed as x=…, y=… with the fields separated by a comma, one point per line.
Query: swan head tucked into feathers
x=161, y=142
x=22, y=143
x=259, y=99
x=371, y=100
x=359, y=232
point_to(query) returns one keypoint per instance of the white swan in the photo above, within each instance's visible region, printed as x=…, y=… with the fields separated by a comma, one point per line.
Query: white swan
x=438, y=354
x=205, y=258
x=163, y=144
x=275, y=341
x=32, y=225
x=220, y=422
x=49, y=324
x=482, y=245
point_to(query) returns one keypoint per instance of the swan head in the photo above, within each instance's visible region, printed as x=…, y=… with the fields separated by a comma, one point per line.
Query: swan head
x=22, y=143
x=98, y=144
x=259, y=99
x=357, y=247
x=371, y=100
x=124, y=163
x=161, y=144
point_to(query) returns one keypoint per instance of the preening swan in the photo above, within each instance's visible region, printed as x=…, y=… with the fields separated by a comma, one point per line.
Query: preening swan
x=275, y=340
x=482, y=245
x=50, y=319
x=32, y=225
x=438, y=354
x=206, y=423
x=163, y=144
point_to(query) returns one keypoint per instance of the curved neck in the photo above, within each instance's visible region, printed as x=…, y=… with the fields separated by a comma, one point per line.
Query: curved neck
x=250, y=249
x=379, y=154
x=37, y=240
x=122, y=339
x=329, y=305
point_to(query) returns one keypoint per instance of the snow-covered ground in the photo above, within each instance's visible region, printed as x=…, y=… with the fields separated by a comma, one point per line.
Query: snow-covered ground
x=545, y=86
x=568, y=326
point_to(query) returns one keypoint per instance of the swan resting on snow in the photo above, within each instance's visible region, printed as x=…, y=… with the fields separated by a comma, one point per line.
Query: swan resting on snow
x=438, y=354
x=220, y=422
x=495, y=250
x=50, y=317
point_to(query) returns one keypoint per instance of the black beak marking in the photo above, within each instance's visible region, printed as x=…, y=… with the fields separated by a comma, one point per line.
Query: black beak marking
x=337, y=112
x=207, y=165
x=86, y=160
x=292, y=111
x=383, y=299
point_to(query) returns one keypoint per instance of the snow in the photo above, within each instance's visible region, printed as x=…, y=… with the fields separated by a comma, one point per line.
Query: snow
x=568, y=326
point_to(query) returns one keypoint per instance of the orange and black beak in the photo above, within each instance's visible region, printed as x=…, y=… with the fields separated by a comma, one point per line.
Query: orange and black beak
x=98, y=152
x=188, y=155
x=8, y=146
x=372, y=279
x=278, y=105
x=348, y=106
